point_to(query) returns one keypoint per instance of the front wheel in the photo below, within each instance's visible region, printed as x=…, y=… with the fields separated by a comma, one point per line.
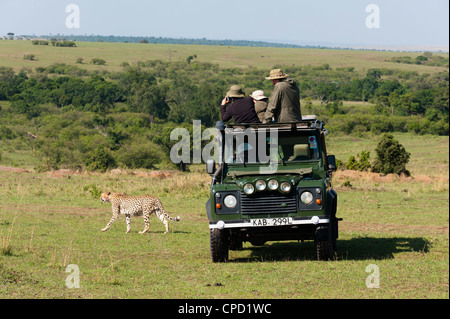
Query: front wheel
x=218, y=239
x=325, y=243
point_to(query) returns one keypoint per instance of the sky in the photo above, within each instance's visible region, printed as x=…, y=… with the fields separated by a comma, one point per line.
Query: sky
x=321, y=22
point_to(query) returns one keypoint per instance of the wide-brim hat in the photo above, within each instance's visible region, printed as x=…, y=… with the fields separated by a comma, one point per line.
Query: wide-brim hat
x=276, y=74
x=235, y=91
x=258, y=95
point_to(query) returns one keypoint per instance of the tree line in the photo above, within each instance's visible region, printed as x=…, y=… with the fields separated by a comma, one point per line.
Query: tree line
x=164, y=40
x=102, y=119
x=54, y=43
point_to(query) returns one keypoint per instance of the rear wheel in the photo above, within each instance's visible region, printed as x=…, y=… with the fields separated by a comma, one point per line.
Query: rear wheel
x=218, y=239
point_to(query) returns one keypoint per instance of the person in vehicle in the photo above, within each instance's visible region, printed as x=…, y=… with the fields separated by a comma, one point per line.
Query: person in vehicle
x=284, y=103
x=260, y=101
x=241, y=108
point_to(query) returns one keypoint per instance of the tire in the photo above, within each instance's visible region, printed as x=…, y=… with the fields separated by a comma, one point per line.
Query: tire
x=218, y=239
x=325, y=243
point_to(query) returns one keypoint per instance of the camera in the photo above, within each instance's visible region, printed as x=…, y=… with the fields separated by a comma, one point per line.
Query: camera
x=227, y=100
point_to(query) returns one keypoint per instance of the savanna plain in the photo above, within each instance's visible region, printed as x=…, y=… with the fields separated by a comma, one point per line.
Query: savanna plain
x=51, y=221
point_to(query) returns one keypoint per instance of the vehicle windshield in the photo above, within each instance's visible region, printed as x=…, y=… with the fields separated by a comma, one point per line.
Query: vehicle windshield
x=261, y=147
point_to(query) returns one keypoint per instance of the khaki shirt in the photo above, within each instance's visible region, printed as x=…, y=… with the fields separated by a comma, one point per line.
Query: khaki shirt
x=284, y=103
x=260, y=108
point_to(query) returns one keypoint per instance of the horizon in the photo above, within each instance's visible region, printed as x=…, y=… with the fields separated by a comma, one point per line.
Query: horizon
x=321, y=45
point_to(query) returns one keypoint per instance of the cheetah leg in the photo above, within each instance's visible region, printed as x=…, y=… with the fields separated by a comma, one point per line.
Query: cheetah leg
x=164, y=220
x=127, y=216
x=147, y=224
x=113, y=219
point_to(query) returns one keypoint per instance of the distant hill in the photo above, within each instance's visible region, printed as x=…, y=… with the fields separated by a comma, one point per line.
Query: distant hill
x=161, y=40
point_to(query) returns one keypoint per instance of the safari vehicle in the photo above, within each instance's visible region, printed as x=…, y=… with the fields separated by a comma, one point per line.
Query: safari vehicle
x=272, y=182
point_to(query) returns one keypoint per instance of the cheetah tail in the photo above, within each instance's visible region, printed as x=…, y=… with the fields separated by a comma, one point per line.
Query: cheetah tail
x=175, y=219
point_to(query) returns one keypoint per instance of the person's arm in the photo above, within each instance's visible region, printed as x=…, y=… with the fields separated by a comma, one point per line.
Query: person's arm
x=224, y=111
x=274, y=104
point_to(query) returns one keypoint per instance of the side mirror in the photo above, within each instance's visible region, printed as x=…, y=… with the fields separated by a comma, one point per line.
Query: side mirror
x=331, y=162
x=210, y=166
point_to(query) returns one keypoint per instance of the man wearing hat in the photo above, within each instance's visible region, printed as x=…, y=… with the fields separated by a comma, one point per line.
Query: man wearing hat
x=242, y=108
x=284, y=103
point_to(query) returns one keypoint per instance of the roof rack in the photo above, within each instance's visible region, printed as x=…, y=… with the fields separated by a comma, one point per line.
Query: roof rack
x=306, y=123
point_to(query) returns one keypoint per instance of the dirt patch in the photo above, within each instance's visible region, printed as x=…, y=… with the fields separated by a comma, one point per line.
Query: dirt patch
x=62, y=173
x=424, y=179
x=13, y=169
x=380, y=178
x=155, y=174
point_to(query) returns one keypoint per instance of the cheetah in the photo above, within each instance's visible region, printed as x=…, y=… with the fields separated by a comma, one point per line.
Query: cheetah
x=136, y=206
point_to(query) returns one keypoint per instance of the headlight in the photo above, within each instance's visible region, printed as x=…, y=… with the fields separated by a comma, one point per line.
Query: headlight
x=260, y=185
x=273, y=184
x=306, y=198
x=230, y=201
x=285, y=187
x=249, y=189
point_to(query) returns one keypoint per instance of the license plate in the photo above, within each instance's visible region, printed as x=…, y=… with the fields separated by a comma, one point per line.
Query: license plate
x=279, y=221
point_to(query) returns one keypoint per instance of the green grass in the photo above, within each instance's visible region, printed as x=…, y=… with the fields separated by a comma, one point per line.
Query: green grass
x=429, y=152
x=48, y=222
x=12, y=52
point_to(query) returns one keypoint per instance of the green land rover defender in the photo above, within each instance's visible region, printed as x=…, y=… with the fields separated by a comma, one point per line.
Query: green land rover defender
x=272, y=182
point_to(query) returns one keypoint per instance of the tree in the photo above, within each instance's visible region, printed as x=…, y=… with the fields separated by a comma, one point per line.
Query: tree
x=391, y=157
x=324, y=91
x=147, y=97
x=421, y=59
x=190, y=58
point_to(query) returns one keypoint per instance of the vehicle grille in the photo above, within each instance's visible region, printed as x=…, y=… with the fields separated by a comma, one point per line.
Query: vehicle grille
x=268, y=203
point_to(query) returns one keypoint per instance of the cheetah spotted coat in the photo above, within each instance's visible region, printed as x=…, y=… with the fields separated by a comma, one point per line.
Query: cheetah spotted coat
x=136, y=206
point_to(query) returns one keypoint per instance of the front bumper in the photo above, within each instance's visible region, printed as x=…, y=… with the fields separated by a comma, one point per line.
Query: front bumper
x=315, y=220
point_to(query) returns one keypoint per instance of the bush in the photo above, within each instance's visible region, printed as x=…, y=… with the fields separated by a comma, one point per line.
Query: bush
x=100, y=160
x=360, y=164
x=39, y=42
x=93, y=191
x=141, y=153
x=49, y=155
x=98, y=61
x=30, y=57
x=64, y=43
x=6, y=133
x=391, y=157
